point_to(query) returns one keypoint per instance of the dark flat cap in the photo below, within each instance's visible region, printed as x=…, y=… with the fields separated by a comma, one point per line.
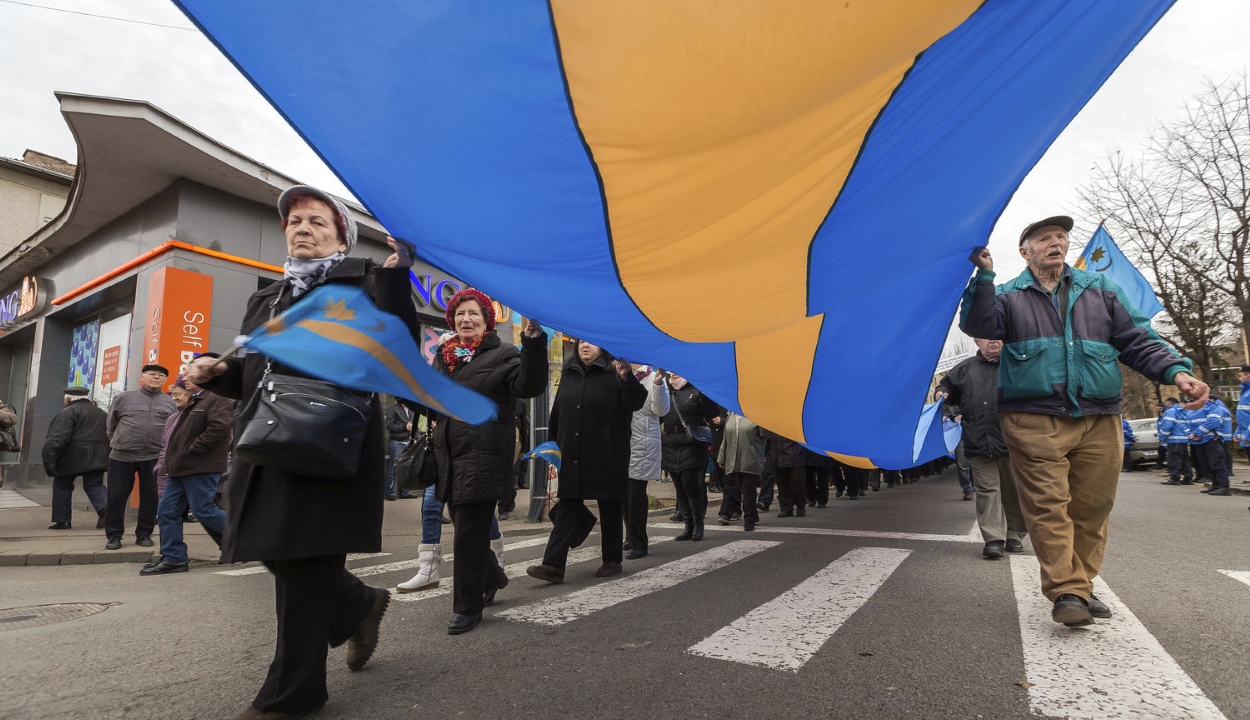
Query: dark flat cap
x=1062, y=221
x=77, y=391
x=157, y=368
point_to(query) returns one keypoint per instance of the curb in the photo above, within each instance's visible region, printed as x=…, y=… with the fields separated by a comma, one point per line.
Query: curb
x=11, y=558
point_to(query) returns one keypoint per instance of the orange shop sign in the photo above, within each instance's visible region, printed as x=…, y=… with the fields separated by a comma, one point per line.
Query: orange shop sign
x=180, y=304
x=109, y=365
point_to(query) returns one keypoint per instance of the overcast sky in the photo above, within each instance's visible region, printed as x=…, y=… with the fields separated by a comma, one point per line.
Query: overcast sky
x=178, y=70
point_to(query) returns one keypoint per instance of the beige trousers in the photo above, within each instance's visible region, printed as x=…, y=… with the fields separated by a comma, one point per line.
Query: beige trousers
x=1066, y=473
x=998, y=507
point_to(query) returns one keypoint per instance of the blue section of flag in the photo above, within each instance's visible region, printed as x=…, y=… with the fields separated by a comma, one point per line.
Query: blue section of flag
x=1102, y=255
x=548, y=451
x=337, y=334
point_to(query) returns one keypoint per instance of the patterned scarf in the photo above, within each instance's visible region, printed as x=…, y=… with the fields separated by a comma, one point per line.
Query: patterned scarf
x=308, y=274
x=456, y=351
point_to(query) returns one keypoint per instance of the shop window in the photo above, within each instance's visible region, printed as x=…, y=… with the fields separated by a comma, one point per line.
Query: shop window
x=100, y=353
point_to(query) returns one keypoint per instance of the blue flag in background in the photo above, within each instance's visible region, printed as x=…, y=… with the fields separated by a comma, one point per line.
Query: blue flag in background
x=1102, y=255
x=338, y=335
x=548, y=451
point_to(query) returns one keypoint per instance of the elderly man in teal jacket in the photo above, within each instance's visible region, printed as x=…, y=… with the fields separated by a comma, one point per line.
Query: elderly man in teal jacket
x=1059, y=400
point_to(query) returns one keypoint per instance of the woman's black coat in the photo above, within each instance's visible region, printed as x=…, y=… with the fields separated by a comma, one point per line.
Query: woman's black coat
x=475, y=461
x=680, y=452
x=591, y=423
x=273, y=515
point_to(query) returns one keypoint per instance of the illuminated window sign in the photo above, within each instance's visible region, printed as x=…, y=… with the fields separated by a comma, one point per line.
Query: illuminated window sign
x=28, y=298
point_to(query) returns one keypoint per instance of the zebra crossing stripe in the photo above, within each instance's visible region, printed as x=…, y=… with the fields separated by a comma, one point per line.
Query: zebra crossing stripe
x=792, y=530
x=513, y=571
x=1113, y=669
x=263, y=569
x=786, y=632
x=566, y=608
x=1241, y=575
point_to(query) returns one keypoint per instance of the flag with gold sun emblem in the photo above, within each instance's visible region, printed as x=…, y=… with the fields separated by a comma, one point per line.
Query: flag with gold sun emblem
x=338, y=335
x=1102, y=255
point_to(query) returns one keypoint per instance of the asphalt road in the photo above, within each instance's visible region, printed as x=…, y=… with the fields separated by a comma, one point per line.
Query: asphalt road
x=877, y=608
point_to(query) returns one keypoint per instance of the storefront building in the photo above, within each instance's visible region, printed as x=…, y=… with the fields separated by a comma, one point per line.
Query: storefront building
x=165, y=235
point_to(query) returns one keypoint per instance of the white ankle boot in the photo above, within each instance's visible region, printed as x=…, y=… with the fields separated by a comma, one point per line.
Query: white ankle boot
x=496, y=547
x=429, y=557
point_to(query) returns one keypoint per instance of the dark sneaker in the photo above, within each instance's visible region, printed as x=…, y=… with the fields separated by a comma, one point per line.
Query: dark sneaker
x=60, y=526
x=145, y=541
x=1098, y=608
x=993, y=549
x=99, y=523
x=1220, y=492
x=1071, y=610
x=967, y=496
x=1014, y=546
x=113, y=544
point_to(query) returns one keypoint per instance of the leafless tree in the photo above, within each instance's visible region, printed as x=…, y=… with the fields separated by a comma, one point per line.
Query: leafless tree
x=1181, y=212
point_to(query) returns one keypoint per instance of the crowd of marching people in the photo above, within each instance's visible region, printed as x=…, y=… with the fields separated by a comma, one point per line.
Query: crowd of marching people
x=618, y=425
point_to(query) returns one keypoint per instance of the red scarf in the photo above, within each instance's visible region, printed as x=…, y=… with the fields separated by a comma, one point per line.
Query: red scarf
x=457, y=351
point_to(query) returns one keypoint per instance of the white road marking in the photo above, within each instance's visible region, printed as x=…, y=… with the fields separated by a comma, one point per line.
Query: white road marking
x=1242, y=575
x=790, y=530
x=566, y=608
x=786, y=632
x=13, y=499
x=513, y=571
x=1112, y=669
x=262, y=569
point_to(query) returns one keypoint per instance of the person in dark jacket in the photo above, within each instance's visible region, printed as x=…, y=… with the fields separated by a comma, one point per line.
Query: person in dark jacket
x=194, y=460
x=136, y=423
x=971, y=390
x=684, y=458
x=591, y=421
x=76, y=444
x=302, y=528
x=789, y=466
x=816, y=479
x=475, y=461
x=399, y=424
x=1059, y=398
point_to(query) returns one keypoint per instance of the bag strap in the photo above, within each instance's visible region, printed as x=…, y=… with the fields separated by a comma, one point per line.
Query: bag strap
x=676, y=405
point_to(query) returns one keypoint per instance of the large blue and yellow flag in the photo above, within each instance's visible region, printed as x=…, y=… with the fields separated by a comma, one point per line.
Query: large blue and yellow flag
x=336, y=333
x=775, y=199
x=1102, y=255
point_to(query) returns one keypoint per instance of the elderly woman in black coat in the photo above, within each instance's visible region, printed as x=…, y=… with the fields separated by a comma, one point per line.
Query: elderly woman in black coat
x=591, y=421
x=475, y=461
x=684, y=458
x=302, y=528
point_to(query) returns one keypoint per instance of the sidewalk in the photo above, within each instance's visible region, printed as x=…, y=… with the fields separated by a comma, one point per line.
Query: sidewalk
x=26, y=540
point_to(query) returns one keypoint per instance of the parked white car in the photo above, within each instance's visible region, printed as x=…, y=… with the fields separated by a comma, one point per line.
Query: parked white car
x=1146, y=448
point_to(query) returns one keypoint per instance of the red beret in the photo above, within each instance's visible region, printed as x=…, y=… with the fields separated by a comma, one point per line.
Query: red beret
x=488, y=307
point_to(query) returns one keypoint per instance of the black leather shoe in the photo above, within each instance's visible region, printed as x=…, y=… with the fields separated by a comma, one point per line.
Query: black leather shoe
x=608, y=569
x=1098, y=608
x=748, y=525
x=550, y=573
x=444, y=520
x=463, y=623
x=688, y=532
x=994, y=549
x=1071, y=610
x=159, y=559
x=1220, y=492
x=113, y=544
x=1170, y=482
x=1014, y=546
x=99, y=524
x=164, y=568
x=61, y=526
x=145, y=541
x=635, y=554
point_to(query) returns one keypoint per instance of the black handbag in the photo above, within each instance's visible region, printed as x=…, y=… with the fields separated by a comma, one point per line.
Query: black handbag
x=415, y=466
x=698, y=434
x=304, y=426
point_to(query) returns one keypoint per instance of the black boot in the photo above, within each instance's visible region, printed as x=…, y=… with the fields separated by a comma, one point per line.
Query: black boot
x=689, y=531
x=698, y=529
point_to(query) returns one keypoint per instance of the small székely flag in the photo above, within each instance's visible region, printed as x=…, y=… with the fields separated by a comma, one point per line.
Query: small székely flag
x=337, y=334
x=1102, y=255
x=548, y=451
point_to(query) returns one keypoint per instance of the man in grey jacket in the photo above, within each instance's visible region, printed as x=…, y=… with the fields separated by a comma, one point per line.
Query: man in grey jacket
x=644, y=458
x=136, y=422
